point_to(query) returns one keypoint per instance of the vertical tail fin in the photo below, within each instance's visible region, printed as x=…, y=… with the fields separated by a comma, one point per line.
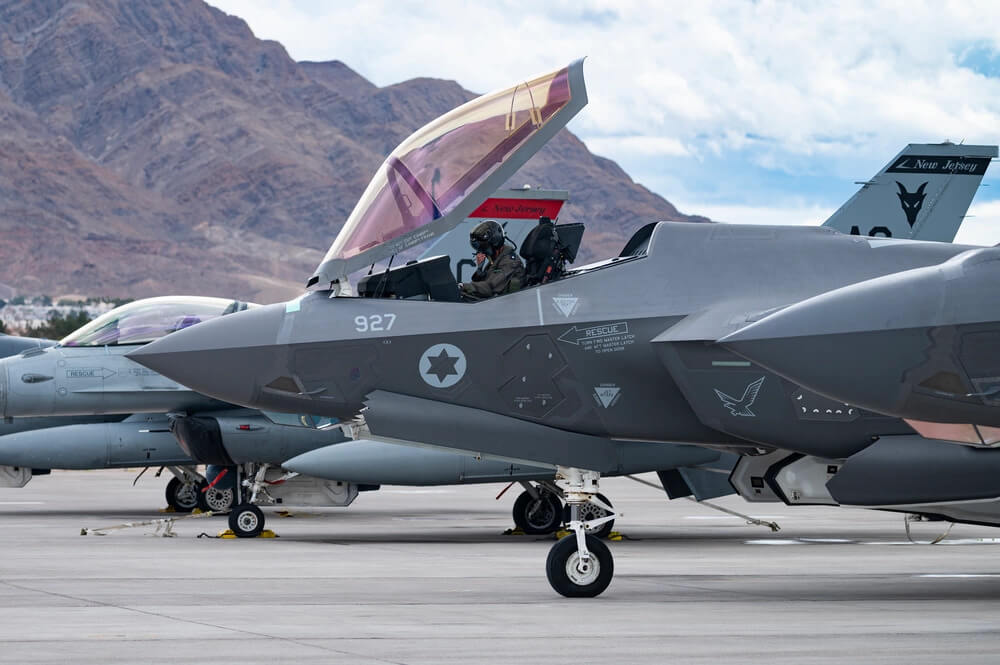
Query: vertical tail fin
x=922, y=194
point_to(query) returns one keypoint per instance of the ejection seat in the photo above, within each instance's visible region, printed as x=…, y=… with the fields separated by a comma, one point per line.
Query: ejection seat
x=547, y=249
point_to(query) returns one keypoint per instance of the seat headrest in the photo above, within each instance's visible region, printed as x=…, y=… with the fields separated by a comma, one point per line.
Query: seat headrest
x=539, y=243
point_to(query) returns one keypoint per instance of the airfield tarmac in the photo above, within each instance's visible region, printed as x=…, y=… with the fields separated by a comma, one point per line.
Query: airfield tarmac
x=411, y=575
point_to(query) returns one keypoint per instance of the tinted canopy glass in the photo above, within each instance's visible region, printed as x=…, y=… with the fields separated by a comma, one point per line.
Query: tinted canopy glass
x=143, y=321
x=444, y=163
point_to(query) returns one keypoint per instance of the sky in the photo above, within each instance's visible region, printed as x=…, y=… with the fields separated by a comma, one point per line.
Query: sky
x=757, y=112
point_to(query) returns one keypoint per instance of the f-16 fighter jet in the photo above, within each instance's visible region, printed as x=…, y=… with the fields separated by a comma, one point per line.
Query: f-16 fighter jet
x=562, y=373
x=82, y=404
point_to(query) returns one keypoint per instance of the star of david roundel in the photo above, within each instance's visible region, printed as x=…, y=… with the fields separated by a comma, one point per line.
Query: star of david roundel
x=442, y=365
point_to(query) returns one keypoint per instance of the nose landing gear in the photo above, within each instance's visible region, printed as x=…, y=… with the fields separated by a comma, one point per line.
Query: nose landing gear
x=247, y=520
x=580, y=565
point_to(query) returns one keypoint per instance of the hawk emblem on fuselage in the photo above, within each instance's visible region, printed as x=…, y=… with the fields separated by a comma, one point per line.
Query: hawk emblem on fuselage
x=741, y=406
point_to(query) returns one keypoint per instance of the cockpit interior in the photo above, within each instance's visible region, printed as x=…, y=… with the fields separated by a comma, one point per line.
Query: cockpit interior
x=547, y=251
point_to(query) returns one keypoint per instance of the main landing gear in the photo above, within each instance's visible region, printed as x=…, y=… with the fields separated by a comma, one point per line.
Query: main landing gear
x=188, y=490
x=218, y=495
x=580, y=565
x=183, y=489
x=539, y=509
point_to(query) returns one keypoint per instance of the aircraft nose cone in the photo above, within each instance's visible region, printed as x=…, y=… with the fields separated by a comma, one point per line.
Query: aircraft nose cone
x=221, y=358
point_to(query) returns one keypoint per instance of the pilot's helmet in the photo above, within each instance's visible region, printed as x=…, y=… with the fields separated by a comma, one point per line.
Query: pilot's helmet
x=487, y=235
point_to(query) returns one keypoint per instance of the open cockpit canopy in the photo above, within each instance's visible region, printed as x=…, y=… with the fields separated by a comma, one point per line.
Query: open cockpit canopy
x=444, y=170
x=145, y=320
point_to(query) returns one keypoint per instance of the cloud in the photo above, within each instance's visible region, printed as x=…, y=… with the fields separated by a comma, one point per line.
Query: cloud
x=788, y=215
x=982, y=225
x=760, y=94
x=645, y=146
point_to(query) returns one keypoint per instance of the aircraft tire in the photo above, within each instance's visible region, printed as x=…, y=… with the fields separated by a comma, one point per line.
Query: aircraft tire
x=216, y=500
x=566, y=578
x=181, y=496
x=589, y=511
x=246, y=521
x=538, y=516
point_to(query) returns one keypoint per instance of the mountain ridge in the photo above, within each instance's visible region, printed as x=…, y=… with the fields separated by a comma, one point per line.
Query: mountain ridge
x=155, y=149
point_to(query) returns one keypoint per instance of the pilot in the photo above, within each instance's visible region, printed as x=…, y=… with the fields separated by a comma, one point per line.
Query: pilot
x=498, y=269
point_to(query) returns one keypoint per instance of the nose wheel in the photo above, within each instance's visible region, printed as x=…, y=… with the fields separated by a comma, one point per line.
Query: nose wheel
x=573, y=576
x=580, y=565
x=246, y=521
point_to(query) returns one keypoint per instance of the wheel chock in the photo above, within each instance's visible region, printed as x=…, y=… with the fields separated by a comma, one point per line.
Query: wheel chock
x=228, y=534
x=562, y=533
x=197, y=511
x=285, y=513
x=516, y=531
x=168, y=509
x=616, y=536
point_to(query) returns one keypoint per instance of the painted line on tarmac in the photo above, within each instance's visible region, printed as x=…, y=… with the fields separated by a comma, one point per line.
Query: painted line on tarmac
x=732, y=517
x=958, y=575
x=21, y=503
x=845, y=541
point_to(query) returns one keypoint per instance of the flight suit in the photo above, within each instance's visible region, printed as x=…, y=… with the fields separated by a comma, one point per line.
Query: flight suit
x=504, y=275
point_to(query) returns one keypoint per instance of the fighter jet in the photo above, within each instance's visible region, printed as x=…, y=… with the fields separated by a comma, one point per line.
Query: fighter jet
x=12, y=344
x=922, y=344
x=538, y=509
x=82, y=404
x=562, y=373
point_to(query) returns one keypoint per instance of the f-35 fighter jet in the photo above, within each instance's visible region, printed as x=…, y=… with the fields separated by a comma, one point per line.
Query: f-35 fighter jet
x=562, y=373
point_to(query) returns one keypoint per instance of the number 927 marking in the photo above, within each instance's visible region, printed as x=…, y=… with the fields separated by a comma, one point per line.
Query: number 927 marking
x=374, y=322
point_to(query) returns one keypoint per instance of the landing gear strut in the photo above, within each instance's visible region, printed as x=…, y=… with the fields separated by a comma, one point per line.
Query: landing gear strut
x=246, y=519
x=580, y=565
x=590, y=512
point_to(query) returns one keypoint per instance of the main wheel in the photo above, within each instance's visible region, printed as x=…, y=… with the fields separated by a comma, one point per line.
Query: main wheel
x=181, y=496
x=541, y=515
x=591, y=511
x=246, y=521
x=216, y=500
x=569, y=577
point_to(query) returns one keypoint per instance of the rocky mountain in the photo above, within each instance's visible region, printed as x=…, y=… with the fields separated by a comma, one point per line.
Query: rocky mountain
x=159, y=147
